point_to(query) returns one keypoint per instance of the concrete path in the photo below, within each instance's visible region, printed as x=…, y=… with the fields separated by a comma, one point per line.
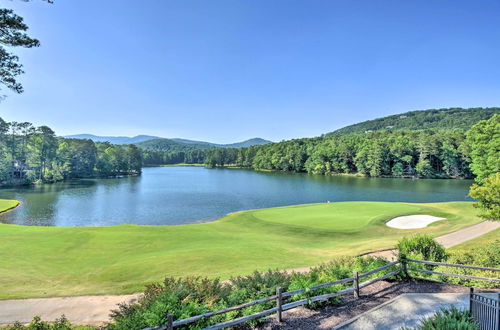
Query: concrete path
x=95, y=309
x=448, y=240
x=406, y=310
x=81, y=310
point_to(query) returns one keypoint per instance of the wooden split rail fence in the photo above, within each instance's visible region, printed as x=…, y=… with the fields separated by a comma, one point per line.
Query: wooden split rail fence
x=357, y=284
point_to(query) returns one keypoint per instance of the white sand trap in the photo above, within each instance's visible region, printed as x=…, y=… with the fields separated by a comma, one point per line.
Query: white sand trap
x=412, y=221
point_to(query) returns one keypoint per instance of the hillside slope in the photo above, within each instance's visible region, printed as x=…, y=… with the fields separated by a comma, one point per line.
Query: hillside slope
x=113, y=139
x=185, y=145
x=452, y=118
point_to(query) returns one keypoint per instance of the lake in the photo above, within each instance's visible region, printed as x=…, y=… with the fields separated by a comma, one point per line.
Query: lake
x=182, y=195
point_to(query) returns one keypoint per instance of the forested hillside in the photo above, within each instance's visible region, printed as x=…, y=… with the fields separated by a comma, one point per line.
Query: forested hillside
x=404, y=153
x=113, y=139
x=185, y=145
x=425, y=153
x=452, y=118
x=31, y=154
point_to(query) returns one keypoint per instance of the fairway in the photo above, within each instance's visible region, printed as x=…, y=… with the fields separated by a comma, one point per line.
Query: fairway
x=60, y=261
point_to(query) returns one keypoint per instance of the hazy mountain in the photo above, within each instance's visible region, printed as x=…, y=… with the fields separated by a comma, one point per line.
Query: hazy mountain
x=113, y=139
x=158, y=143
x=184, y=145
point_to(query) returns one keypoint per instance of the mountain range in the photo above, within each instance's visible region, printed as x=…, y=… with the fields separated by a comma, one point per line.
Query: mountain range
x=159, y=143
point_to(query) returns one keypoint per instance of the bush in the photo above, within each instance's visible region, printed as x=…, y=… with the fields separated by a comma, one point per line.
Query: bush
x=448, y=319
x=422, y=247
x=61, y=323
x=487, y=256
x=335, y=270
x=187, y=297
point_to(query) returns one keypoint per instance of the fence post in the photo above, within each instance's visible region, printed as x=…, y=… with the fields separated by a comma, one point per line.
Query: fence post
x=279, y=303
x=170, y=322
x=356, y=285
x=471, y=291
x=404, y=266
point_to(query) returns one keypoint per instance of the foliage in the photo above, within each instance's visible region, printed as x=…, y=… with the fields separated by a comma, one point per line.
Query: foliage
x=187, y=297
x=434, y=146
x=488, y=196
x=486, y=256
x=483, y=140
x=448, y=319
x=452, y=118
x=421, y=247
x=61, y=323
x=13, y=34
x=31, y=154
x=337, y=269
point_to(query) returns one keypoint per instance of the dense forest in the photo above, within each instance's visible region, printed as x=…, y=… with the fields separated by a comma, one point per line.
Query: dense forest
x=31, y=154
x=425, y=153
x=452, y=118
x=403, y=153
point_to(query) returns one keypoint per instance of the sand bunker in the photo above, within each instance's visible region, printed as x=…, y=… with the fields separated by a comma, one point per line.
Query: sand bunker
x=412, y=221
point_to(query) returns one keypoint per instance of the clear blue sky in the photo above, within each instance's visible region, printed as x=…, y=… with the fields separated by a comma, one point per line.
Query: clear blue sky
x=228, y=70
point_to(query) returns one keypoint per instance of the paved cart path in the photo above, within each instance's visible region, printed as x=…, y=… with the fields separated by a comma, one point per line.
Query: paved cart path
x=94, y=310
x=407, y=310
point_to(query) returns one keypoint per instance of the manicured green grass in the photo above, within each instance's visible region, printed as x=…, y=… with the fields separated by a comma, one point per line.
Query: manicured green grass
x=7, y=204
x=59, y=261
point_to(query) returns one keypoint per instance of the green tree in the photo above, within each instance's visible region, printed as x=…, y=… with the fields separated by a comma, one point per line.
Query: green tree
x=488, y=196
x=12, y=34
x=484, y=143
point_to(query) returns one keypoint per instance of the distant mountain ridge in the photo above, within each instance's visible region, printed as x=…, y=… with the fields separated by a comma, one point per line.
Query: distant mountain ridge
x=185, y=145
x=159, y=143
x=113, y=139
x=449, y=118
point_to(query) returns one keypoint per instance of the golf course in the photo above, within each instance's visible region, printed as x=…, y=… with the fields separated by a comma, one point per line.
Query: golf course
x=63, y=261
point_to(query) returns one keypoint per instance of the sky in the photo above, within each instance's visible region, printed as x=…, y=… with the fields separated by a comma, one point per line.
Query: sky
x=228, y=70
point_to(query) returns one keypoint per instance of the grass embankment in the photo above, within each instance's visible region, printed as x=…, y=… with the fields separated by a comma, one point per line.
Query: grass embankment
x=7, y=204
x=59, y=261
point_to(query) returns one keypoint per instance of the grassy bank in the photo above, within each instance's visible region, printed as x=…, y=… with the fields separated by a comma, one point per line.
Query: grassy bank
x=58, y=261
x=7, y=204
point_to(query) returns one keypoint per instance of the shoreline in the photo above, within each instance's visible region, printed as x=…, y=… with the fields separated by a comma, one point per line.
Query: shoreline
x=223, y=218
x=354, y=175
x=10, y=208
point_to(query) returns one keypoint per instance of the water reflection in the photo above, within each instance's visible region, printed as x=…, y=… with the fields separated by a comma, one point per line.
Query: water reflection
x=177, y=195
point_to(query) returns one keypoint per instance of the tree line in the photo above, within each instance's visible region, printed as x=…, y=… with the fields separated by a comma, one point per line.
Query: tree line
x=430, y=153
x=30, y=154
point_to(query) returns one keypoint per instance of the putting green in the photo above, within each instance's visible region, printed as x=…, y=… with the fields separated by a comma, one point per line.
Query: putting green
x=60, y=261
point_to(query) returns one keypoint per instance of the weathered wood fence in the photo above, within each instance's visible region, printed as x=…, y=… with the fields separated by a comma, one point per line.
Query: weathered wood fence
x=356, y=281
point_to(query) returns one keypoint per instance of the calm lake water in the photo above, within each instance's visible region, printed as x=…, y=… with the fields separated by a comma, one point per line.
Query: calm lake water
x=180, y=195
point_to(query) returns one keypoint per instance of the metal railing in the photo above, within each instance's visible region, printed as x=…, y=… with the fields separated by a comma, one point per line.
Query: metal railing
x=485, y=310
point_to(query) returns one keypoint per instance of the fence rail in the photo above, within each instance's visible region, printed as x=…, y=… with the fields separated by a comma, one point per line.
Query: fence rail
x=355, y=289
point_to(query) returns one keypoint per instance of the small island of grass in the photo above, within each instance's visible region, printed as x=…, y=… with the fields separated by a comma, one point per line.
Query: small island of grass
x=7, y=204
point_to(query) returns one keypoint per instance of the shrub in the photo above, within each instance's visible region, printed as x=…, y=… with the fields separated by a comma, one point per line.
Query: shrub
x=422, y=247
x=487, y=256
x=192, y=296
x=448, y=319
x=61, y=323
